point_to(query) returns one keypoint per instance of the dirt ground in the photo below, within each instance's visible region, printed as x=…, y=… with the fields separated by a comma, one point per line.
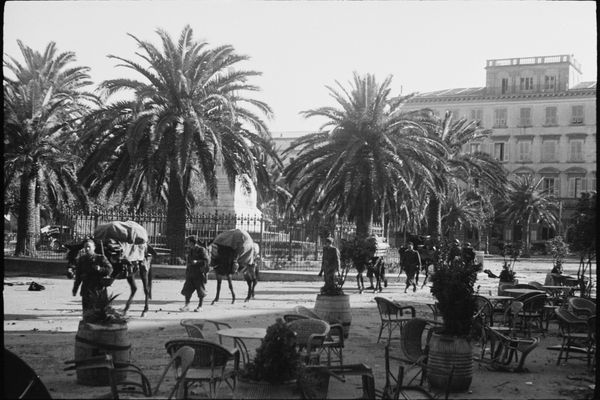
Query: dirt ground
x=40, y=327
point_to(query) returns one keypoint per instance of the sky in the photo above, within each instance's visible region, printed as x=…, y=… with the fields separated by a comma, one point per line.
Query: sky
x=301, y=47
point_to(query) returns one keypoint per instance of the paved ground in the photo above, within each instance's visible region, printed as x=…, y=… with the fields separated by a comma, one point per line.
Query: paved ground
x=40, y=327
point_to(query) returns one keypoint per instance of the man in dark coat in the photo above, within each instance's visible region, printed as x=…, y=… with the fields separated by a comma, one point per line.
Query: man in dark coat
x=468, y=254
x=90, y=271
x=411, y=262
x=195, y=273
x=455, y=251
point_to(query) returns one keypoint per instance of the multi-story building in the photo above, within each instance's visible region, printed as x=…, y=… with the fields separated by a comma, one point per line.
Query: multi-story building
x=543, y=122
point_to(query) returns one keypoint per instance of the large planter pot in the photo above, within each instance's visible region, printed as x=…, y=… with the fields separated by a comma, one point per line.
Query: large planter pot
x=248, y=389
x=97, y=339
x=335, y=309
x=447, y=351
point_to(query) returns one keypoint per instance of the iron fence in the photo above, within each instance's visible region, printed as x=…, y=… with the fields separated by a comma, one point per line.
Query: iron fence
x=283, y=244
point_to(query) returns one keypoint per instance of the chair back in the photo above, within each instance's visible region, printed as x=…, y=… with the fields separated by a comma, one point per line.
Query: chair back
x=535, y=304
x=309, y=330
x=206, y=353
x=485, y=309
x=526, y=296
x=306, y=312
x=203, y=328
x=293, y=317
x=181, y=360
x=581, y=307
x=387, y=308
x=411, y=340
x=536, y=285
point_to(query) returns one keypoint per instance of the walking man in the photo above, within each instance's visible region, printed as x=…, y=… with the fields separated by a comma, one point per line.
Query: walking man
x=411, y=262
x=90, y=270
x=195, y=273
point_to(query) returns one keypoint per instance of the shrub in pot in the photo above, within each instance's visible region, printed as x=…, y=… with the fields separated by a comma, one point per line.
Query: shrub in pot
x=453, y=286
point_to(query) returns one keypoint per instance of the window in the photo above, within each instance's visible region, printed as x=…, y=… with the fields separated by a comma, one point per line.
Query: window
x=500, y=152
x=549, y=82
x=474, y=147
x=477, y=115
x=526, y=83
x=577, y=115
x=504, y=85
x=547, y=233
x=500, y=118
x=575, y=150
x=524, y=150
x=525, y=119
x=550, y=185
x=551, y=116
x=593, y=181
x=549, y=152
x=575, y=186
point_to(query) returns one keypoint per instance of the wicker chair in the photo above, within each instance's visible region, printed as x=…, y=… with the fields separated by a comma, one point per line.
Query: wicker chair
x=485, y=308
x=333, y=346
x=536, y=285
x=581, y=307
x=533, y=312
x=213, y=364
x=505, y=349
x=577, y=336
x=392, y=315
x=195, y=328
x=310, y=336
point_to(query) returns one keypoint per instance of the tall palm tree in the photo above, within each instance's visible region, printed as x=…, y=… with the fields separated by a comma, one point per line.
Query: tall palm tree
x=459, y=165
x=188, y=116
x=528, y=203
x=367, y=154
x=44, y=101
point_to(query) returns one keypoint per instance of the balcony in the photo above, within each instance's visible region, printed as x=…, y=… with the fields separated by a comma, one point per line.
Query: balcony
x=503, y=62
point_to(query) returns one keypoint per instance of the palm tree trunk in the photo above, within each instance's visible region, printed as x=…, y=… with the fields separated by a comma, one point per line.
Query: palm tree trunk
x=26, y=233
x=364, y=223
x=526, y=234
x=434, y=217
x=176, y=216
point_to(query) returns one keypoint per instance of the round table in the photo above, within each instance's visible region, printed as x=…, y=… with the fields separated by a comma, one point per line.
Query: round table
x=239, y=334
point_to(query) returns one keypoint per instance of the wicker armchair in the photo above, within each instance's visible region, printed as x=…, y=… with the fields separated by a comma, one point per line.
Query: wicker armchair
x=505, y=349
x=577, y=336
x=195, y=328
x=582, y=307
x=310, y=336
x=392, y=316
x=213, y=364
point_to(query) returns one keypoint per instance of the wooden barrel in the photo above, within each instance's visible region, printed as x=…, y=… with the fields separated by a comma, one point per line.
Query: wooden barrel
x=445, y=352
x=96, y=339
x=335, y=309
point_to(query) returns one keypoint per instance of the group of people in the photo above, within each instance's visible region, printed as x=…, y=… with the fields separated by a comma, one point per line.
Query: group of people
x=93, y=271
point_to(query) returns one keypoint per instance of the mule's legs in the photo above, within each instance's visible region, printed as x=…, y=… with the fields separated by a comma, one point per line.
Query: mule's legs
x=249, y=282
x=133, y=289
x=146, y=284
x=426, y=276
x=219, y=279
x=231, y=289
x=360, y=283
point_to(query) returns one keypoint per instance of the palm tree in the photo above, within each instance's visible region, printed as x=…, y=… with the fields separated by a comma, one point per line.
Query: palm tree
x=365, y=155
x=458, y=211
x=187, y=117
x=459, y=165
x=44, y=101
x=527, y=203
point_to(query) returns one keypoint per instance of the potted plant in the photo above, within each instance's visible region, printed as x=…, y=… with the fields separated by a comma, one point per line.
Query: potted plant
x=332, y=304
x=452, y=286
x=510, y=253
x=102, y=330
x=277, y=370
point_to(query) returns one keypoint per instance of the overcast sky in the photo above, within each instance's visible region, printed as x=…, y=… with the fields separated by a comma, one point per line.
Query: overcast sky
x=302, y=46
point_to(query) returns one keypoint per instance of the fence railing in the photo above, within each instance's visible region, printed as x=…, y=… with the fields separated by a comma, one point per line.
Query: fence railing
x=283, y=245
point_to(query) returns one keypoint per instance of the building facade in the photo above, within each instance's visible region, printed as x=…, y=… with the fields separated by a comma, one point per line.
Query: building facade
x=543, y=123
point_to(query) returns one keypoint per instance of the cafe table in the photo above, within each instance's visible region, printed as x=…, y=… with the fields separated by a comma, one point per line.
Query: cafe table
x=516, y=292
x=558, y=293
x=239, y=334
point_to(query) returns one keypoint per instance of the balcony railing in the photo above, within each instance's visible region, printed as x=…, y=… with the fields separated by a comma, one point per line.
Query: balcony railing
x=501, y=62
